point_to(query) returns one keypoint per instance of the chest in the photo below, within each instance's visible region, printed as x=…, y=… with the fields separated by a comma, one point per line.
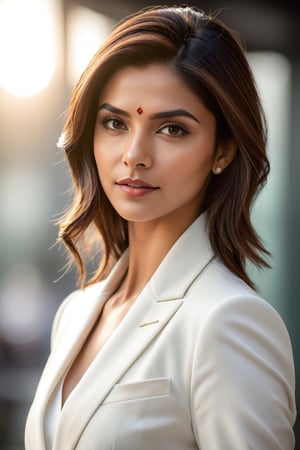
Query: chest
x=105, y=325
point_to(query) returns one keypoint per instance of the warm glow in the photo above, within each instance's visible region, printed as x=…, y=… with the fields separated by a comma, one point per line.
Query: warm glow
x=86, y=32
x=27, y=46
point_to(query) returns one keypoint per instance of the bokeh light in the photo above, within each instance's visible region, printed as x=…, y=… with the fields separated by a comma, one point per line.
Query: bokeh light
x=27, y=46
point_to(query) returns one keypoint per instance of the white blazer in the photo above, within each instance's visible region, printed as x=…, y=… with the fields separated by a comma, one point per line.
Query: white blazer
x=200, y=361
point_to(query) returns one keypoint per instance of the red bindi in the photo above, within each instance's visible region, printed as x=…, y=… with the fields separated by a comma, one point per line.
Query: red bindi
x=139, y=110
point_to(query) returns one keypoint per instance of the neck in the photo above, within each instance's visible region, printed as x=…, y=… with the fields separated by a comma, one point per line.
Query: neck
x=148, y=245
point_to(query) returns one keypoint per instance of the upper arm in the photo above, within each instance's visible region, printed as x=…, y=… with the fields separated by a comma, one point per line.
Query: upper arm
x=243, y=379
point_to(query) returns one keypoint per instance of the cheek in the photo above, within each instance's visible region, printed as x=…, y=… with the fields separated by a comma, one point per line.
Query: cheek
x=99, y=146
x=192, y=166
x=102, y=158
x=102, y=169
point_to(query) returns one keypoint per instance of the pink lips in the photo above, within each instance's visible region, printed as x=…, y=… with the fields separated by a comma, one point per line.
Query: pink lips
x=136, y=187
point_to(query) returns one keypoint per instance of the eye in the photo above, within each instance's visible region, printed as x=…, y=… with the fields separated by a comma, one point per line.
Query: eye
x=113, y=123
x=173, y=130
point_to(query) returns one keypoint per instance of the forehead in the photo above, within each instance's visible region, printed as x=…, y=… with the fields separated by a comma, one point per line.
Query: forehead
x=155, y=86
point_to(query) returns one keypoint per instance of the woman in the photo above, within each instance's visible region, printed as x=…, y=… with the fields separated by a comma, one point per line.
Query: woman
x=167, y=345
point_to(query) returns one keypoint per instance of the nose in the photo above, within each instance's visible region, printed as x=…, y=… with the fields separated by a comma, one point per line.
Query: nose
x=136, y=153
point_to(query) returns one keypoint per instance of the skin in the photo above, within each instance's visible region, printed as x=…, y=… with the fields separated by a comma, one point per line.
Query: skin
x=174, y=155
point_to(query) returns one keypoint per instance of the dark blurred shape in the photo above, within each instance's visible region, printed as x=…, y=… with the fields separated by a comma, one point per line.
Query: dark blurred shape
x=264, y=25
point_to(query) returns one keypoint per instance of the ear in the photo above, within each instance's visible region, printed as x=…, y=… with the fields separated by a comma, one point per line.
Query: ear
x=224, y=155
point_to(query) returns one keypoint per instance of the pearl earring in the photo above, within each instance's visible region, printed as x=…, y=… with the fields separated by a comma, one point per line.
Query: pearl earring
x=218, y=170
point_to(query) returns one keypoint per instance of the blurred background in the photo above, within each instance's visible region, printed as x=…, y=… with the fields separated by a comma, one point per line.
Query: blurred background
x=44, y=46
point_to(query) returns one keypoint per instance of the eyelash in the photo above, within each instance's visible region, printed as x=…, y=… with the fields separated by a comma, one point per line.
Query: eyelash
x=105, y=120
x=183, y=131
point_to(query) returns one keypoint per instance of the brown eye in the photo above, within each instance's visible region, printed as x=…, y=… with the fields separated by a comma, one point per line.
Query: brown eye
x=114, y=124
x=173, y=130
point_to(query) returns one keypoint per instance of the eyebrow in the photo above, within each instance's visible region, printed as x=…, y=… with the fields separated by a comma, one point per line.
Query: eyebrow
x=159, y=115
x=114, y=109
x=174, y=113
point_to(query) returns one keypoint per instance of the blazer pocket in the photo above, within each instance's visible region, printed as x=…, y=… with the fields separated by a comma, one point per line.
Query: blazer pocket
x=155, y=387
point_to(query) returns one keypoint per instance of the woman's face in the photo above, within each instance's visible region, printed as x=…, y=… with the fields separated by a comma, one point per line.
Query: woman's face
x=154, y=145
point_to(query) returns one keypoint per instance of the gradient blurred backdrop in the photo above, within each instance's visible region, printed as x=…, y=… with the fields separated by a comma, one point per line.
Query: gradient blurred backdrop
x=44, y=46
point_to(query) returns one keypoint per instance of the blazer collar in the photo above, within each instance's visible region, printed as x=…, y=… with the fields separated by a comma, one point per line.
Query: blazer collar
x=184, y=262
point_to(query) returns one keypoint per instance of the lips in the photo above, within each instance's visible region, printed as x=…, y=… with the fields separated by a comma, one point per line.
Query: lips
x=135, y=188
x=136, y=183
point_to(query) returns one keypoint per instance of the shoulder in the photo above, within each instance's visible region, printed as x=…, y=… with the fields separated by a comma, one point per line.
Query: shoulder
x=217, y=287
x=231, y=311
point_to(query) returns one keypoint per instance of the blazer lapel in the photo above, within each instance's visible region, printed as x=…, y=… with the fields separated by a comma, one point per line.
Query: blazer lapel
x=151, y=312
x=144, y=320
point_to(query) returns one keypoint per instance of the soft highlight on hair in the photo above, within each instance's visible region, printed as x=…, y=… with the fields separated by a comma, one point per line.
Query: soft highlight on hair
x=211, y=59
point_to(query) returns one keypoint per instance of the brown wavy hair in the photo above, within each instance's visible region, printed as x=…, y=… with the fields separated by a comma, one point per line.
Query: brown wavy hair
x=211, y=59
